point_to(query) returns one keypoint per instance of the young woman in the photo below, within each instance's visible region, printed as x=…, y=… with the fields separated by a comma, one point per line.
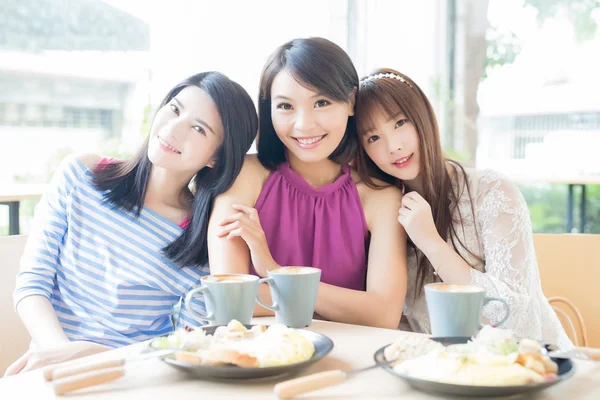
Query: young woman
x=301, y=204
x=118, y=243
x=464, y=226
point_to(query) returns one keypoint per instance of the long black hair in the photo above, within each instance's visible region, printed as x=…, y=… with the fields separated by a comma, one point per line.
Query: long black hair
x=321, y=65
x=126, y=181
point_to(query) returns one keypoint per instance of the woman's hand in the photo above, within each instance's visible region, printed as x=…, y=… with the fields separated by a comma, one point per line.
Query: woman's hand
x=246, y=224
x=416, y=218
x=38, y=358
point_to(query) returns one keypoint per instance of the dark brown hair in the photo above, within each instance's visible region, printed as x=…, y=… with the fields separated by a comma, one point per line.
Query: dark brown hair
x=390, y=97
x=125, y=182
x=319, y=65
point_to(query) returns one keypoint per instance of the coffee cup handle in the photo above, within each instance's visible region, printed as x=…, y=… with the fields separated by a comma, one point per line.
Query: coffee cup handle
x=506, y=308
x=188, y=303
x=269, y=281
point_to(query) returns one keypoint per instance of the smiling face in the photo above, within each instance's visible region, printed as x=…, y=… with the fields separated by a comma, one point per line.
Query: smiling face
x=393, y=145
x=186, y=132
x=309, y=124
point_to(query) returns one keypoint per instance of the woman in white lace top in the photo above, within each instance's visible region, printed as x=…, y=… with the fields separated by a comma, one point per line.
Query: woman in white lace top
x=464, y=226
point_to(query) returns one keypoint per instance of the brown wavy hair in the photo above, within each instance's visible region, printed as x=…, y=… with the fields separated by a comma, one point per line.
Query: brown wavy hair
x=390, y=97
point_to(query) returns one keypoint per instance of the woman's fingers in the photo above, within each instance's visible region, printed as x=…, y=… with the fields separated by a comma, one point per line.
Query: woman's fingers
x=239, y=232
x=225, y=231
x=231, y=218
x=249, y=234
x=249, y=211
x=409, y=202
x=241, y=220
x=17, y=366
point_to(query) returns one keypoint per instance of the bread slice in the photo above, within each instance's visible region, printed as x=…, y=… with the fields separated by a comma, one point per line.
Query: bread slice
x=224, y=356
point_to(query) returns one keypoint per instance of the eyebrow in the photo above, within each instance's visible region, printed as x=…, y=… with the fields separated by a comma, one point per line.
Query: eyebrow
x=393, y=117
x=400, y=114
x=195, y=119
x=282, y=97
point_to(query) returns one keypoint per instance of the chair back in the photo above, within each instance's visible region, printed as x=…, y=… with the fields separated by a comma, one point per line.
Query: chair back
x=15, y=339
x=570, y=268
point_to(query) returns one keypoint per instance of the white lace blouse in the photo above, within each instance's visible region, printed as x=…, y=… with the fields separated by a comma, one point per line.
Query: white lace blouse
x=501, y=236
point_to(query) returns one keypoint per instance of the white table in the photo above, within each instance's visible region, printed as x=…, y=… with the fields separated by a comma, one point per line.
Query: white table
x=354, y=348
x=12, y=195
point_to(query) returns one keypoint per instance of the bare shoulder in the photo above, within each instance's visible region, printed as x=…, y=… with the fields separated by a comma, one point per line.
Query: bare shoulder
x=381, y=205
x=253, y=173
x=383, y=193
x=386, y=197
x=249, y=182
x=490, y=182
x=253, y=169
x=378, y=203
x=90, y=160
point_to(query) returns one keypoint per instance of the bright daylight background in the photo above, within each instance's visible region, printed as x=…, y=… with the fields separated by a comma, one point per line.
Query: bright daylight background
x=515, y=83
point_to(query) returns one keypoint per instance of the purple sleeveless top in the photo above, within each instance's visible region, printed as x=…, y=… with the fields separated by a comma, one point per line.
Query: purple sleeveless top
x=323, y=228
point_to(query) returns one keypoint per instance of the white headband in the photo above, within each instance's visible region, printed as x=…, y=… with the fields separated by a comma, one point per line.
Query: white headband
x=384, y=75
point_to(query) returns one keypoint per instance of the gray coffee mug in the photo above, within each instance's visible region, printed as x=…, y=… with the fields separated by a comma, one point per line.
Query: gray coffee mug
x=226, y=297
x=294, y=293
x=455, y=310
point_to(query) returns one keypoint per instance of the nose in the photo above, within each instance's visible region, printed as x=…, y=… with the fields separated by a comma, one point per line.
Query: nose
x=395, y=144
x=174, y=128
x=305, y=121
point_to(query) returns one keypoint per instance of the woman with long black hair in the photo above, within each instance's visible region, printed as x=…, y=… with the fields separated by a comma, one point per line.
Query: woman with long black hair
x=117, y=244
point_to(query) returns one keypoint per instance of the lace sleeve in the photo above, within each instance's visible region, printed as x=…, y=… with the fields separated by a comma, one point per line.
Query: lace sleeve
x=511, y=270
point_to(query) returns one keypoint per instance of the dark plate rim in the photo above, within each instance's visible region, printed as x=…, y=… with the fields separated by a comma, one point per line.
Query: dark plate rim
x=456, y=387
x=224, y=368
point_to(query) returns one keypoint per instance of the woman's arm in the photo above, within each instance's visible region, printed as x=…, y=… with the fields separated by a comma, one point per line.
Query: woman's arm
x=416, y=217
x=507, y=243
x=386, y=276
x=232, y=255
x=504, y=225
x=41, y=321
x=381, y=304
x=446, y=262
x=35, y=280
x=511, y=270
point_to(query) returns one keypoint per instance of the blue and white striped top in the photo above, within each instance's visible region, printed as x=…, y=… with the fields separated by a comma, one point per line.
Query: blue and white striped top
x=101, y=267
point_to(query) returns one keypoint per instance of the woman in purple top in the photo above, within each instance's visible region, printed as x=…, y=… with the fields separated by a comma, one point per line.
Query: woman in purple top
x=300, y=204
